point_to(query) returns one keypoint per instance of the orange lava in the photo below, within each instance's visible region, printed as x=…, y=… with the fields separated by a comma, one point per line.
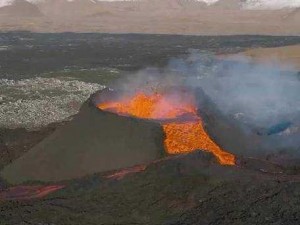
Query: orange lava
x=181, y=123
x=124, y=172
x=28, y=192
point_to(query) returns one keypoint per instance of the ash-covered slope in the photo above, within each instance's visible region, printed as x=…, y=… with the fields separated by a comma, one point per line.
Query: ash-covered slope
x=94, y=141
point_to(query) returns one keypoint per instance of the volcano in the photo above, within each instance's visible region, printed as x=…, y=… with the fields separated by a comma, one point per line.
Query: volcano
x=115, y=129
x=110, y=133
x=94, y=141
x=178, y=116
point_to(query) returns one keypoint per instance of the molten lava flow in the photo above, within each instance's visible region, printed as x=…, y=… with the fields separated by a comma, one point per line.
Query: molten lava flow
x=181, y=123
x=28, y=192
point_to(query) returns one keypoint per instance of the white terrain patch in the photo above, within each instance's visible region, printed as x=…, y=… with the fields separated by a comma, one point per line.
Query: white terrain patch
x=36, y=102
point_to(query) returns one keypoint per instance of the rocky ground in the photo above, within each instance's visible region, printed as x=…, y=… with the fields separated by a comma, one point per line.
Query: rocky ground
x=45, y=78
x=185, y=189
x=16, y=142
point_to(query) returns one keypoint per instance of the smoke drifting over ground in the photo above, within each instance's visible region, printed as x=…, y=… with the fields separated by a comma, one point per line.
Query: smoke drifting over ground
x=263, y=99
x=261, y=94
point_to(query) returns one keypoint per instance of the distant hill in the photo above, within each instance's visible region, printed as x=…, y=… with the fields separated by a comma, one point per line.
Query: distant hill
x=21, y=8
x=248, y=4
x=228, y=4
x=63, y=8
x=293, y=16
x=153, y=16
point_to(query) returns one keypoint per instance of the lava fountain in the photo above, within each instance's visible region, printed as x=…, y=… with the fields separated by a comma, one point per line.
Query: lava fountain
x=181, y=123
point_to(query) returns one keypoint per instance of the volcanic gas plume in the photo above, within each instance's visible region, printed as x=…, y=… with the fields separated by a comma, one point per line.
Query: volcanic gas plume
x=182, y=125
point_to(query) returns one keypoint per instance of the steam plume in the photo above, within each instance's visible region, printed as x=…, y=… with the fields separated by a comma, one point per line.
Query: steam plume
x=262, y=97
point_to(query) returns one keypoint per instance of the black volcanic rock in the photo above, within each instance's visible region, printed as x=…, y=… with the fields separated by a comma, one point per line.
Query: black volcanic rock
x=187, y=190
x=94, y=141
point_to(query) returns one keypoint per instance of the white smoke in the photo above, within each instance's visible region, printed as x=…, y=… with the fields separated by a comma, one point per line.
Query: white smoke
x=259, y=95
x=262, y=100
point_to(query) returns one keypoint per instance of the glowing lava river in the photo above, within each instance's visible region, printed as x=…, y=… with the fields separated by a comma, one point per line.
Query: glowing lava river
x=182, y=125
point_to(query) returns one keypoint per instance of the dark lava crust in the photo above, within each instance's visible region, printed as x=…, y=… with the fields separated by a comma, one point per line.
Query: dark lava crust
x=179, y=190
x=182, y=190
